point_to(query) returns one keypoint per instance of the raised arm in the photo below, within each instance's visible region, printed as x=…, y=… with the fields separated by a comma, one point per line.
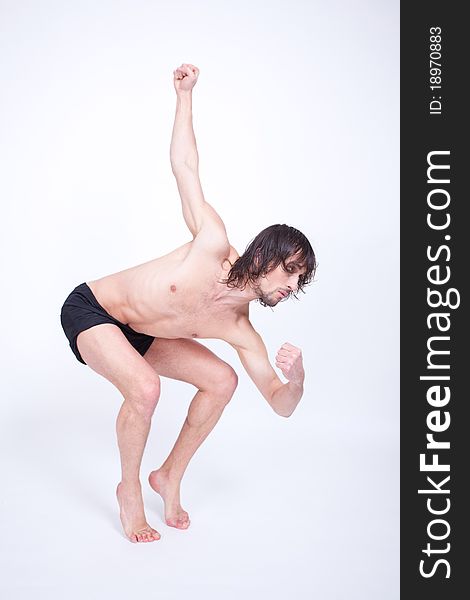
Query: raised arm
x=282, y=397
x=201, y=219
x=183, y=150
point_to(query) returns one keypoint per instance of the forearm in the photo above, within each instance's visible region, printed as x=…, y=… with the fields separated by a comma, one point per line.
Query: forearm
x=285, y=399
x=183, y=150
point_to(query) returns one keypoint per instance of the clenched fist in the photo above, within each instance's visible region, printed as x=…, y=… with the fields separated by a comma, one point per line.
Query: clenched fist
x=185, y=77
x=289, y=360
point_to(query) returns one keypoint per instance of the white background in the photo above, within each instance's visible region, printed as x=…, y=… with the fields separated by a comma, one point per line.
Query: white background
x=296, y=118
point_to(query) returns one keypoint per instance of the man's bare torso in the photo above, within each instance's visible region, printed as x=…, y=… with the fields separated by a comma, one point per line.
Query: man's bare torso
x=179, y=295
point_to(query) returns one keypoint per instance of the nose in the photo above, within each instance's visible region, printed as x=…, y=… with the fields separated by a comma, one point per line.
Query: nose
x=292, y=282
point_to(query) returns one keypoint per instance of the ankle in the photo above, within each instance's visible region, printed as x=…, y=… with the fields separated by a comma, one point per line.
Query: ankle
x=167, y=475
x=164, y=472
x=130, y=484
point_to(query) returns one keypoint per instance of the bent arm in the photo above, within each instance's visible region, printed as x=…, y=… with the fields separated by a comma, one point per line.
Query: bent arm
x=282, y=397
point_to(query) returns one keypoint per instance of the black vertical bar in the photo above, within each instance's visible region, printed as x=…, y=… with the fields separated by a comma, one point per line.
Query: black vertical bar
x=426, y=128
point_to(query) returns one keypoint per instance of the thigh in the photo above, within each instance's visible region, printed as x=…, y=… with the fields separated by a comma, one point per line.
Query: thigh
x=105, y=349
x=187, y=360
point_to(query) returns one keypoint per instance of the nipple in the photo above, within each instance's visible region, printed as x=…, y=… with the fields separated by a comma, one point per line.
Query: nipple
x=173, y=288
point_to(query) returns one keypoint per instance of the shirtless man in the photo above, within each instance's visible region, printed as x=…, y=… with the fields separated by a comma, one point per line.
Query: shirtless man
x=136, y=325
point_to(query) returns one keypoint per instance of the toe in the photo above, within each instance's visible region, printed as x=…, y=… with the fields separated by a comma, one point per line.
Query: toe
x=183, y=522
x=174, y=523
x=147, y=535
x=143, y=535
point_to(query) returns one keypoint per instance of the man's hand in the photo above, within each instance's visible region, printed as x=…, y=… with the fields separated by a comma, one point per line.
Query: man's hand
x=289, y=360
x=282, y=397
x=185, y=77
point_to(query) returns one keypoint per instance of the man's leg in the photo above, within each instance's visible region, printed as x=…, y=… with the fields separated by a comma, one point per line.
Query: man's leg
x=189, y=361
x=106, y=350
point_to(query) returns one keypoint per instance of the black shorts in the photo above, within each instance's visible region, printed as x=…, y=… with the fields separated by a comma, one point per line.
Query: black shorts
x=81, y=310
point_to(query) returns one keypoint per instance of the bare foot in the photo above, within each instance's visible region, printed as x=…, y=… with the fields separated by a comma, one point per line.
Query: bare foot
x=132, y=515
x=175, y=516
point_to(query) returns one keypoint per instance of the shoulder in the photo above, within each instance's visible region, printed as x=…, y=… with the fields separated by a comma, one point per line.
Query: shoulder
x=230, y=258
x=233, y=254
x=212, y=240
x=211, y=237
x=216, y=256
x=243, y=336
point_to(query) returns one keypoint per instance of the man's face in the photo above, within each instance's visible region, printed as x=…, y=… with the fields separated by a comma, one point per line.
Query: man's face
x=280, y=282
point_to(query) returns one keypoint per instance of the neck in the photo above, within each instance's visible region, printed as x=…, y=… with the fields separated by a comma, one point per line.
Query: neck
x=235, y=296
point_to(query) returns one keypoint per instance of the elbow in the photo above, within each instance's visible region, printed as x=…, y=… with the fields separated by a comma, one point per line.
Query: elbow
x=279, y=405
x=179, y=166
x=284, y=399
x=282, y=412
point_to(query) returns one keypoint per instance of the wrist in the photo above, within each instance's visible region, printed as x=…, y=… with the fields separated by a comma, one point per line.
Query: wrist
x=297, y=383
x=184, y=94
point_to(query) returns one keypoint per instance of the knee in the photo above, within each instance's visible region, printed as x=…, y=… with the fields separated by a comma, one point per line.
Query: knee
x=224, y=382
x=145, y=396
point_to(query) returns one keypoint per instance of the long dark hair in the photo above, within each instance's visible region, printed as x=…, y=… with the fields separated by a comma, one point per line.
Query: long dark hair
x=271, y=247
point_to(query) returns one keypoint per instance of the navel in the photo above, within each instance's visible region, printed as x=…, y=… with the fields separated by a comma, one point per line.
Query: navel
x=194, y=335
x=173, y=288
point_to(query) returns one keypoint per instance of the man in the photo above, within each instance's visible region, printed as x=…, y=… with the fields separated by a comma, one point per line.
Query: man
x=136, y=325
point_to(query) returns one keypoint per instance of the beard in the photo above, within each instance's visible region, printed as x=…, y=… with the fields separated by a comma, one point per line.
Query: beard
x=267, y=298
